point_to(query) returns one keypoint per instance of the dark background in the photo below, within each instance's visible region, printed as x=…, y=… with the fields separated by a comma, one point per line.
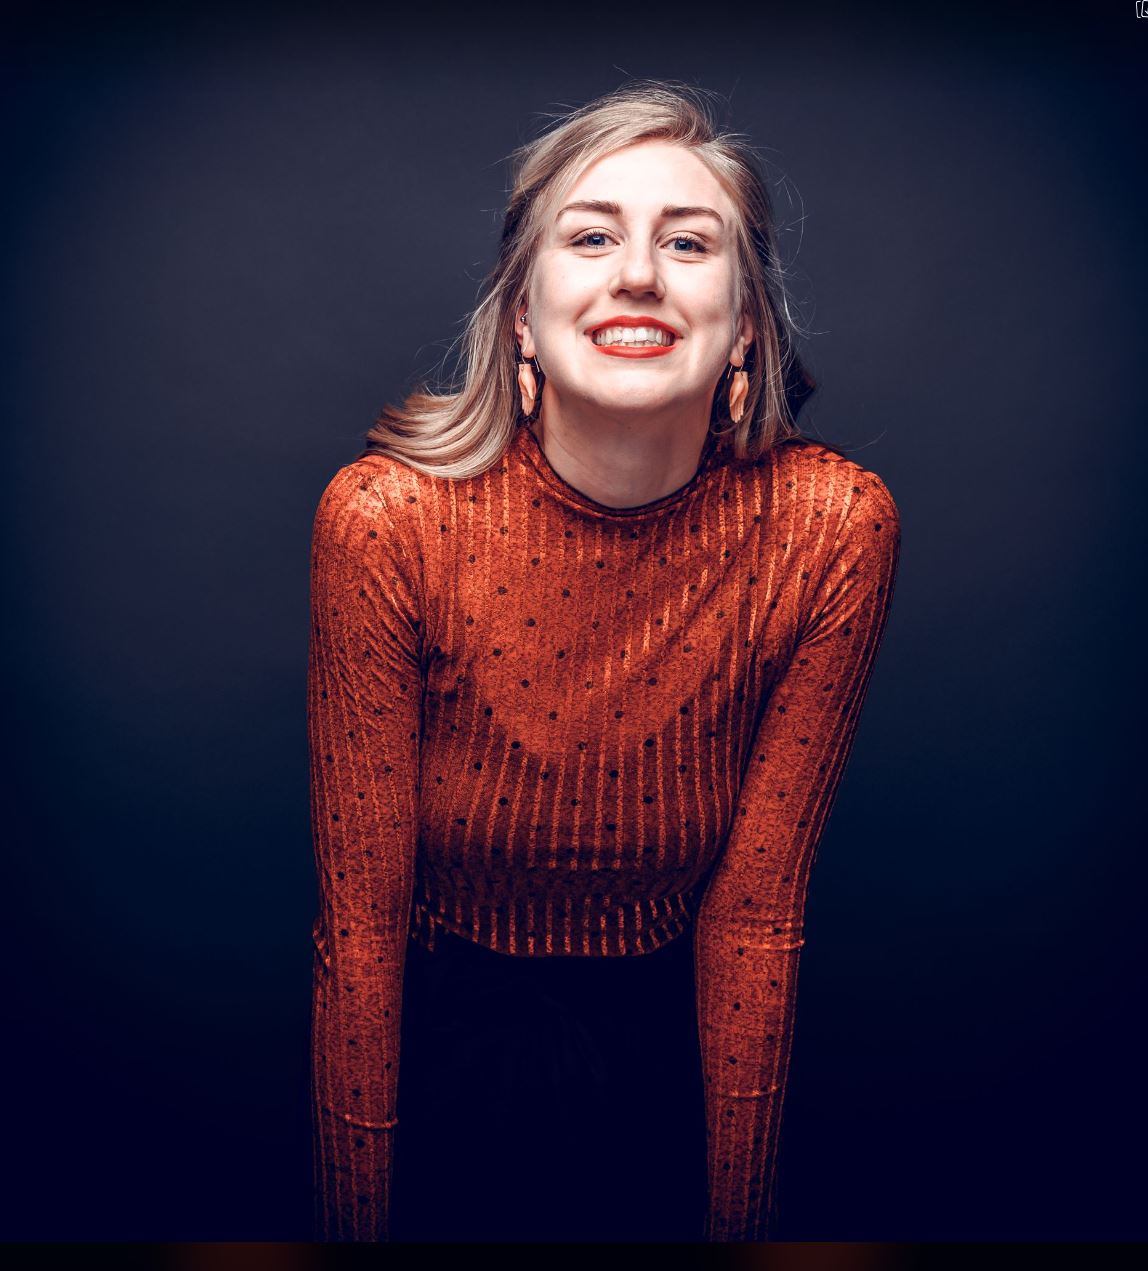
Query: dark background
x=230, y=236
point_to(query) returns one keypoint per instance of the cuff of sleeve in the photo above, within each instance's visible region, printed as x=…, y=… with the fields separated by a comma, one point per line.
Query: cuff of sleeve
x=354, y=1162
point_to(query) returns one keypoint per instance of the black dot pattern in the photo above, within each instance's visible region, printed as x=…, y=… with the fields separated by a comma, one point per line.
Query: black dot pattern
x=559, y=729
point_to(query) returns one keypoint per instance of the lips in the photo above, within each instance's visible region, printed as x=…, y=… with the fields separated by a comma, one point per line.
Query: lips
x=634, y=320
x=629, y=350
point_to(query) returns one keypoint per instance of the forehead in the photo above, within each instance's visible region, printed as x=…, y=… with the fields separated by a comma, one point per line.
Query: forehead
x=645, y=174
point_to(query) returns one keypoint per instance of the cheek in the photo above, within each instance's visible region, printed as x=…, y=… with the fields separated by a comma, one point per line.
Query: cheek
x=709, y=313
x=710, y=298
x=564, y=290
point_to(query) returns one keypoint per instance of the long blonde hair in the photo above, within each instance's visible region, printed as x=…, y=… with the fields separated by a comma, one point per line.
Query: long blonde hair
x=463, y=431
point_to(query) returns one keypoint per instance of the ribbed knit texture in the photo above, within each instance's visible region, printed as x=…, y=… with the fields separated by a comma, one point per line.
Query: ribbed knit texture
x=563, y=730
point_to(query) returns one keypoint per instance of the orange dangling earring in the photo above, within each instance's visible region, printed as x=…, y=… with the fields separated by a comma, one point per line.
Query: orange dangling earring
x=527, y=384
x=739, y=387
x=527, y=387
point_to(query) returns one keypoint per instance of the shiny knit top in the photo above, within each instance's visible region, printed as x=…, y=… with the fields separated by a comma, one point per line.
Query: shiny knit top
x=561, y=729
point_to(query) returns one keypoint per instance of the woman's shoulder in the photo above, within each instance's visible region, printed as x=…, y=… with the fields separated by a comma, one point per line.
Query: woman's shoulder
x=372, y=484
x=371, y=499
x=830, y=480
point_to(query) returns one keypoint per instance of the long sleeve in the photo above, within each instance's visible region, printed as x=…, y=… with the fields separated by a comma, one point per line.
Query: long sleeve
x=364, y=720
x=749, y=930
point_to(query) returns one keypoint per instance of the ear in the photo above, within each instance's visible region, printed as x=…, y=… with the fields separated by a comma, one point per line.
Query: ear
x=522, y=331
x=742, y=343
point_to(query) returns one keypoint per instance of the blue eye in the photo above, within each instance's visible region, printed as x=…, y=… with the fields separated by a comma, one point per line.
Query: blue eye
x=593, y=233
x=699, y=246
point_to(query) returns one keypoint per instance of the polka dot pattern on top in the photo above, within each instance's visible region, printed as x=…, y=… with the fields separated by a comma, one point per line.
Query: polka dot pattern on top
x=559, y=729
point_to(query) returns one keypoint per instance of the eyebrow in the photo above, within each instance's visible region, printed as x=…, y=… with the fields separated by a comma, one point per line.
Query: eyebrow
x=608, y=208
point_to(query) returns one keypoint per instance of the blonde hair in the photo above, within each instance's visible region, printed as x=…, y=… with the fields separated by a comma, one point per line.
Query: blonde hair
x=463, y=431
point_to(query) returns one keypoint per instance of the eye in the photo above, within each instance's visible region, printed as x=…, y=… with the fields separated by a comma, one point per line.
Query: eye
x=583, y=239
x=698, y=247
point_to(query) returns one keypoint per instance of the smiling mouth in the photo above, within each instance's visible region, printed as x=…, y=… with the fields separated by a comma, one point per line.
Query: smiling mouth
x=632, y=337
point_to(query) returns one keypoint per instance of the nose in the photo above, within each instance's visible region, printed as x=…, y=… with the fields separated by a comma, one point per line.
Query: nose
x=639, y=271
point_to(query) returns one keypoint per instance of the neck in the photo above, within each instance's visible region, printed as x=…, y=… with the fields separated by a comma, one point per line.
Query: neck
x=622, y=462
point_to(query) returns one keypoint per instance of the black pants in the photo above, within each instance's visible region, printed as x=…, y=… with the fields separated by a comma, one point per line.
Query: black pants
x=549, y=1098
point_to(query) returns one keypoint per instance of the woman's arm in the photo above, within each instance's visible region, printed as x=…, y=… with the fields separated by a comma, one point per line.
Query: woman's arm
x=749, y=925
x=364, y=696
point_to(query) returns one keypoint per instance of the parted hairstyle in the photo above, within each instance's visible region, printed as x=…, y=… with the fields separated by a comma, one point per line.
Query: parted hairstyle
x=463, y=431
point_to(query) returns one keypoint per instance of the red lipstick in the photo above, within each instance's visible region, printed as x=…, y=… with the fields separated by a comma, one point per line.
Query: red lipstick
x=633, y=320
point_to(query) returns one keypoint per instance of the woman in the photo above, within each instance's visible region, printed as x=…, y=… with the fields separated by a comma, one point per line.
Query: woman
x=590, y=641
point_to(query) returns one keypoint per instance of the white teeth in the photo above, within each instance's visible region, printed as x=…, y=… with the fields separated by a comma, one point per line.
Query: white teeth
x=633, y=336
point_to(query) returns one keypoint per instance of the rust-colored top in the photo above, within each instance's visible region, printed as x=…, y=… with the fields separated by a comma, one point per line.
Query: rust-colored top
x=561, y=729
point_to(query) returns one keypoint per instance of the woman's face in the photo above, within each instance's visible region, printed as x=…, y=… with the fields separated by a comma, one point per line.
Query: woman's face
x=644, y=233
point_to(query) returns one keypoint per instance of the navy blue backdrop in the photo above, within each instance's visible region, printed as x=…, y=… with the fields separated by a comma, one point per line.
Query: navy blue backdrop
x=230, y=237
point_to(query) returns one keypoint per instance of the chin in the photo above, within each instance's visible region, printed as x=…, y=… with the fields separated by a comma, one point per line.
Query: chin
x=633, y=403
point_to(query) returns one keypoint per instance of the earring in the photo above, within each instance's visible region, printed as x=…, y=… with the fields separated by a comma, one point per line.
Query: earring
x=739, y=387
x=527, y=387
x=527, y=384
